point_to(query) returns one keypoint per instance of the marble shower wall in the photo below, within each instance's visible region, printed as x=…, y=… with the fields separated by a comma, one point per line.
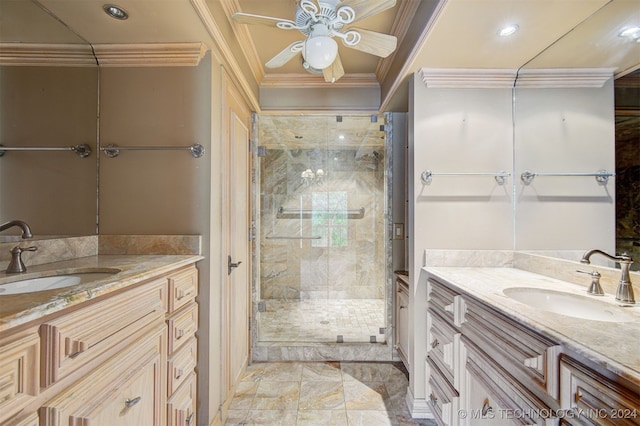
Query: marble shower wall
x=348, y=261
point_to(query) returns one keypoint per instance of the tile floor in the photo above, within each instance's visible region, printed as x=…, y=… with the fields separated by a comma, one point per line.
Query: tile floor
x=323, y=393
x=322, y=320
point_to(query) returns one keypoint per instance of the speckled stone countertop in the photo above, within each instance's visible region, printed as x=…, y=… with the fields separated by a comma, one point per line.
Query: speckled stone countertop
x=612, y=345
x=22, y=308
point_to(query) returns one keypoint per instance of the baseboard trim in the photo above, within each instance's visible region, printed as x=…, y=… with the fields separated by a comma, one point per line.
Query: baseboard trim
x=419, y=407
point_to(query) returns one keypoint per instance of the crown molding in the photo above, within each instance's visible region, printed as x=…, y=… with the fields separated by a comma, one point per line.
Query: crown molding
x=39, y=54
x=468, y=78
x=401, y=24
x=243, y=35
x=306, y=80
x=564, y=77
x=234, y=69
x=149, y=54
x=407, y=66
x=104, y=55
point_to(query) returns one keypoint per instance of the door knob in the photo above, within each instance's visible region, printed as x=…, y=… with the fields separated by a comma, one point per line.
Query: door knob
x=231, y=265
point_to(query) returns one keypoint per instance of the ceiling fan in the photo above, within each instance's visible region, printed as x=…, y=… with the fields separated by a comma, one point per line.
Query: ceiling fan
x=321, y=21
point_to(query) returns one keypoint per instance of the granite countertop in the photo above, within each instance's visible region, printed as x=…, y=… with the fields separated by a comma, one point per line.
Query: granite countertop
x=611, y=345
x=22, y=308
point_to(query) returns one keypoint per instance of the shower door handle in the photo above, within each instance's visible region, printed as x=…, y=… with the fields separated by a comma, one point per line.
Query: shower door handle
x=231, y=265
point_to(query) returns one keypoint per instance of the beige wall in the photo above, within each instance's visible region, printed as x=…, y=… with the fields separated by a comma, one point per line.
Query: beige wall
x=54, y=192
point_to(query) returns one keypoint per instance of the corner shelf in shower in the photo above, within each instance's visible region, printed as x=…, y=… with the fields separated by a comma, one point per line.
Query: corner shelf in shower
x=309, y=213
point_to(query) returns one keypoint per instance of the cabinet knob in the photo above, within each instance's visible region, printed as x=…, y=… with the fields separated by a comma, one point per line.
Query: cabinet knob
x=433, y=398
x=403, y=307
x=435, y=343
x=131, y=402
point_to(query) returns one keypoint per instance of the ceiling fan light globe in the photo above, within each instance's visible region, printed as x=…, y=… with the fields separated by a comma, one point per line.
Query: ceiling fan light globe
x=320, y=51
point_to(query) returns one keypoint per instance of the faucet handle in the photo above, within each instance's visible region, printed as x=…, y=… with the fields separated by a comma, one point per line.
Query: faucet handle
x=17, y=265
x=595, y=288
x=17, y=249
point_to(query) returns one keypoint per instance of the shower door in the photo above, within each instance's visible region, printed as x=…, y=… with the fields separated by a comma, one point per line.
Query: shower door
x=322, y=203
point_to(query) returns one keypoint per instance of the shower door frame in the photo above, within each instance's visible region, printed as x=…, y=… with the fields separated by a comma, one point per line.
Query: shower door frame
x=322, y=351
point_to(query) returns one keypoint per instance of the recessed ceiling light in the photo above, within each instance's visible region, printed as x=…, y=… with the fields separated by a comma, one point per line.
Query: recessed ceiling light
x=630, y=32
x=507, y=30
x=115, y=12
x=341, y=137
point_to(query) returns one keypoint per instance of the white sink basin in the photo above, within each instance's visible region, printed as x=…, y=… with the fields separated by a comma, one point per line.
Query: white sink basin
x=569, y=304
x=33, y=285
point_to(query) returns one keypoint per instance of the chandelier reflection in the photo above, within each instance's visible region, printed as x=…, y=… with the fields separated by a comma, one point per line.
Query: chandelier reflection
x=311, y=178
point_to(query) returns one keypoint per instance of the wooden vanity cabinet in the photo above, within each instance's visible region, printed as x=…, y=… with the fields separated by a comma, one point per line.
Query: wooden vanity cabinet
x=594, y=398
x=123, y=359
x=401, y=322
x=19, y=371
x=182, y=350
x=484, y=367
x=129, y=389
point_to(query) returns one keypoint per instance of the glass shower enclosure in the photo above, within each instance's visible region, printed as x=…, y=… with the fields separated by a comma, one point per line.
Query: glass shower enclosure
x=321, y=202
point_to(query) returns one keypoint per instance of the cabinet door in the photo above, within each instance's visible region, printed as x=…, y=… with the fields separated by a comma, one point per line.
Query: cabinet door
x=128, y=390
x=402, y=323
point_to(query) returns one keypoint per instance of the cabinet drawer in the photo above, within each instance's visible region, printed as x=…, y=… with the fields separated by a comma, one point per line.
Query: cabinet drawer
x=181, y=407
x=443, y=345
x=532, y=357
x=19, y=370
x=443, y=397
x=128, y=389
x=182, y=326
x=509, y=395
x=594, y=398
x=183, y=287
x=445, y=301
x=181, y=364
x=72, y=340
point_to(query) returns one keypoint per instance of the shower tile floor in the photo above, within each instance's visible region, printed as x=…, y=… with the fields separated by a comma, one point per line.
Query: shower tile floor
x=322, y=320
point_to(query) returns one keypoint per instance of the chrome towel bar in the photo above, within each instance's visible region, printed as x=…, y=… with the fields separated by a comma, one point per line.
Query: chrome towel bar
x=602, y=176
x=501, y=177
x=283, y=237
x=113, y=151
x=82, y=150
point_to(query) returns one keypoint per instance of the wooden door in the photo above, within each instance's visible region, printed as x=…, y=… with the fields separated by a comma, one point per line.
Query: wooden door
x=236, y=291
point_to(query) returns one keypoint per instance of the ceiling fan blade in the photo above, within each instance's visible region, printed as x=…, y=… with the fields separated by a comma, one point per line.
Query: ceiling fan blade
x=248, y=18
x=366, y=8
x=287, y=54
x=334, y=72
x=374, y=43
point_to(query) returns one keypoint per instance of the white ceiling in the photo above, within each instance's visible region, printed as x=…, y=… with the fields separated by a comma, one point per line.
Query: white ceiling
x=431, y=33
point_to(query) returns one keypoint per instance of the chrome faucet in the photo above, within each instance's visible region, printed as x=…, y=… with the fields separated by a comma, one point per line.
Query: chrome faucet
x=26, y=231
x=624, y=293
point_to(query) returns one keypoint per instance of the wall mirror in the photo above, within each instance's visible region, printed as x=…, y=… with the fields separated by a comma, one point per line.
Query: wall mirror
x=49, y=99
x=571, y=137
